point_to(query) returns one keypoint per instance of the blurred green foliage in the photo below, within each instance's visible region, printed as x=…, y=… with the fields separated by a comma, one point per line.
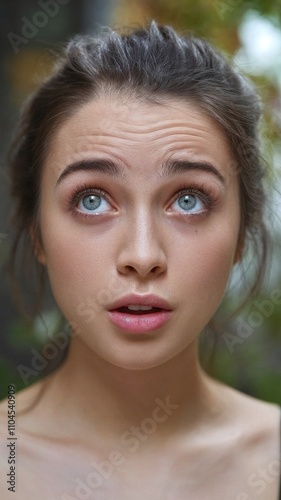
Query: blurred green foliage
x=22, y=338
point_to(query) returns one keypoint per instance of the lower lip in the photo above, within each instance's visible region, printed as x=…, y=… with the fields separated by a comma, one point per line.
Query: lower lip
x=141, y=323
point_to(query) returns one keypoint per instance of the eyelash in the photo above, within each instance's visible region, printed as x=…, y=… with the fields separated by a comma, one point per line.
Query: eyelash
x=78, y=194
x=205, y=193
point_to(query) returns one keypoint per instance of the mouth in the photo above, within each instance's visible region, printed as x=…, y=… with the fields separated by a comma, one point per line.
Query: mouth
x=139, y=321
x=142, y=310
x=136, y=313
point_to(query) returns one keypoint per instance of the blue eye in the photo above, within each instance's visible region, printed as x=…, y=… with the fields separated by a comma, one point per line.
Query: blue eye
x=190, y=203
x=89, y=203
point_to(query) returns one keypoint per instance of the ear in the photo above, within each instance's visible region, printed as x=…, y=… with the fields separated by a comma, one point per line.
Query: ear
x=37, y=245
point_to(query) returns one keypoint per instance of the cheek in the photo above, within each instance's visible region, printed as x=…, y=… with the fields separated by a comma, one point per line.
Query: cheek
x=204, y=263
x=214, y=269
x=79, y=267
x=81, y=261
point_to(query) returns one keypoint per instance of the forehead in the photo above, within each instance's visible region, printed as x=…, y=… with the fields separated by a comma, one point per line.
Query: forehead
x=136, y=131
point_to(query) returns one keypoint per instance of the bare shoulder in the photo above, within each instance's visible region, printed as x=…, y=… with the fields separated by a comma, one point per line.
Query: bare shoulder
x=251, y=409
x=247, y=407
x=257, y=422
x=247, y=440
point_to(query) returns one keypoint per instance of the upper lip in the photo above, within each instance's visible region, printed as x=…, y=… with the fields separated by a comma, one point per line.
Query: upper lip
x=141, y=300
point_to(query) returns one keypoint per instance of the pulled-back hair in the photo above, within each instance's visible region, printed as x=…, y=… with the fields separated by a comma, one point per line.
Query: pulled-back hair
x=152, y=63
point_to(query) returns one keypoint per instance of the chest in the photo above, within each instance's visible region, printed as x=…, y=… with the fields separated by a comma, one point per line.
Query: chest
x=65, y=473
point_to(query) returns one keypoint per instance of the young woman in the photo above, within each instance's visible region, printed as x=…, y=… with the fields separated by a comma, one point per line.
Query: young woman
x=137, y=182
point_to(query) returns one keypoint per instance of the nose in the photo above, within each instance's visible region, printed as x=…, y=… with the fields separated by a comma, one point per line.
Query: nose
x=142, y=250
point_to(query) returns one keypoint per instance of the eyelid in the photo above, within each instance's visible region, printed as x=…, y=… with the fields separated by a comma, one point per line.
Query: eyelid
x=75, y=197
x=205, y=193
x=192, y=191
x=88, y=191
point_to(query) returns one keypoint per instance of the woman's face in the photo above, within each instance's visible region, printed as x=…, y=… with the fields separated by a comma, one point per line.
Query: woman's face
x=138, y=198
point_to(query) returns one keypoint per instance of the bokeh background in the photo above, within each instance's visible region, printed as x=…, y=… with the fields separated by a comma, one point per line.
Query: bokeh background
x=248, y=349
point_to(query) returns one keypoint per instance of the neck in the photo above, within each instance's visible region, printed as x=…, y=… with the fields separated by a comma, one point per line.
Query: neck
x=102, y=393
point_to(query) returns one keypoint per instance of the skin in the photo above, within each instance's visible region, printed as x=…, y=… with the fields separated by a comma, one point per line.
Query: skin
x=139, y=246
x=143, y=242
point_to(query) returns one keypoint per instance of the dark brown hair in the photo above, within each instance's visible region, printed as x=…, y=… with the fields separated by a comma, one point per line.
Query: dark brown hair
x=151, y=63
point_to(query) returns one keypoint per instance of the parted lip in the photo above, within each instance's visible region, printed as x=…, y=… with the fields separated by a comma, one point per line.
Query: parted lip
x=141, y=300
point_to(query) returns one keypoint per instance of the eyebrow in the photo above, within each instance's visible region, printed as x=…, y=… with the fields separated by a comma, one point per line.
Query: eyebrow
x=104, y=166
x=170, y=168
x=180, y=166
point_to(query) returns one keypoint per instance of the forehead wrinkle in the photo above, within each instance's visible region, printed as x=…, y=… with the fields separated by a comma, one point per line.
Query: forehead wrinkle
x=108, y=121
x=156, y=125
x=109, y=130
x=160, y=130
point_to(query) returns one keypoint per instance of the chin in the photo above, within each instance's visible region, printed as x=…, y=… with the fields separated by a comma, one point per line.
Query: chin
x=143, y=359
